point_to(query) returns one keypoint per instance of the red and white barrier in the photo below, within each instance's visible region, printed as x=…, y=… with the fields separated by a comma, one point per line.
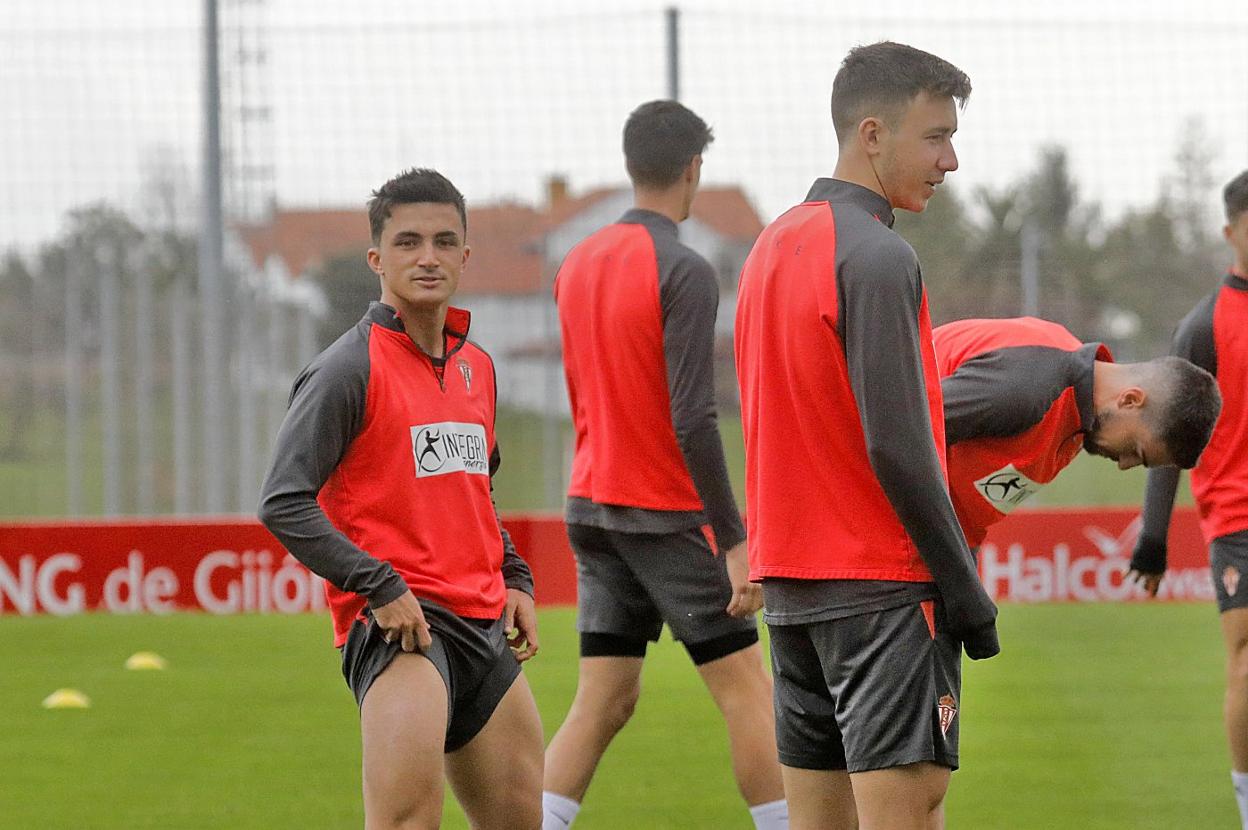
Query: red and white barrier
x=236, y=566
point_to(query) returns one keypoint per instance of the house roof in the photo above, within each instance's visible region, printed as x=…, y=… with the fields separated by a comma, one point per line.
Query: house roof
x=504, y=258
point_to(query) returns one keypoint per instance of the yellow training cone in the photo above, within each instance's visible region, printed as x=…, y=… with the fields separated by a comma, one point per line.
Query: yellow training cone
x=67, y=699
x=145, y=661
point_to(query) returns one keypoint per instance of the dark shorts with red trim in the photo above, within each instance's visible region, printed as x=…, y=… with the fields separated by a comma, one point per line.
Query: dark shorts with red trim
x=471, y=655
x=866, y=692
x=1228, y=565
x=630, y=584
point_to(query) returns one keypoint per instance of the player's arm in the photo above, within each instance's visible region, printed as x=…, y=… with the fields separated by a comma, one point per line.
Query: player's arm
x=1193, y=339
x=520, y=613
x=1000, y=393
x=878, y=321
x=690, y=300
x=326, y=413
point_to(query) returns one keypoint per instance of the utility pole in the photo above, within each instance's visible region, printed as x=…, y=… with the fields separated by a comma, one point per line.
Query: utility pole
x=211, y=275
x=673, y=53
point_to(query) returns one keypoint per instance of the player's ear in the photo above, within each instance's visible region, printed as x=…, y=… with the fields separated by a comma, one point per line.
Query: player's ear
x=374, y=260
x=467, y=252
x=1133, y=397
x=871, y=134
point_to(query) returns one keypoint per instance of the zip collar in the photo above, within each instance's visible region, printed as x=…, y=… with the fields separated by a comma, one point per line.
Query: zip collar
x=838, y=191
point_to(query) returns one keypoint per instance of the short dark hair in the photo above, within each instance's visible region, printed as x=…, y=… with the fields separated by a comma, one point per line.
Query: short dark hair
x=419, y=184
x=1190, y=406
x=1235, y=196
x=660, y=139
x=882, y=78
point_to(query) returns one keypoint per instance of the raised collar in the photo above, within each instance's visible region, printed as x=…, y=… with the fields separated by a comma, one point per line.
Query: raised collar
x=840, y=191
x=455, y=328
x=1083, y=373
x=652, y=220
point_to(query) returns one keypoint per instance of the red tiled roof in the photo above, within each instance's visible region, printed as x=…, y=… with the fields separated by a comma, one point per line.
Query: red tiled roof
x=505, y=255
x=727, y=211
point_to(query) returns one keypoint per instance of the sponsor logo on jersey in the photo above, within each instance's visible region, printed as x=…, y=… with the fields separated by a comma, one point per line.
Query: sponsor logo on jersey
x=1230, y=580
x=1007, y=488
x=947, y=706
x=465, y=369
x=450, y=447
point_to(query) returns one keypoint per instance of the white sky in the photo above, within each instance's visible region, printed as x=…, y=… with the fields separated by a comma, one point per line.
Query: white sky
x=501, y=94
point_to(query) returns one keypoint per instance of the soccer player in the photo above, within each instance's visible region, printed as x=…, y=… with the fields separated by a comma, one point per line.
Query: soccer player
x=1022, y=396
x=1214, y=335
x=869, y=588
x=380, y=483
x=637, y=313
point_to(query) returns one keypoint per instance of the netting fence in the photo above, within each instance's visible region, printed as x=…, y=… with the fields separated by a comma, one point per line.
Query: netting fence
x=1092, y=153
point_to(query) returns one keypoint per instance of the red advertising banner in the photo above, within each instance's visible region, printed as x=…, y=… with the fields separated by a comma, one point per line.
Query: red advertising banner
x=1081, y=555
x=236, y=566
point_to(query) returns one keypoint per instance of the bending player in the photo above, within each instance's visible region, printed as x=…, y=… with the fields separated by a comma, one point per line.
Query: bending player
x=637, y=313
x=380, y=483
x=870, y=590
x=1023, y=396
x=1214, y=335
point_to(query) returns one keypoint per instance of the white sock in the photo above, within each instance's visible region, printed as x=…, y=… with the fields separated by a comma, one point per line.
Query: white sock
x=1240, y=780
x=774, y=815
x=558, y=811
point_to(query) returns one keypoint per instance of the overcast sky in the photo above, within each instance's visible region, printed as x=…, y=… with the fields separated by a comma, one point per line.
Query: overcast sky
x=502, y=94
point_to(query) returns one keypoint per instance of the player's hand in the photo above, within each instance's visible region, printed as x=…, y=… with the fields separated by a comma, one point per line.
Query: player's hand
x=1151, y=581
x=403, y=619
x=747, y=597
x=520, y=623
x=1148, y=563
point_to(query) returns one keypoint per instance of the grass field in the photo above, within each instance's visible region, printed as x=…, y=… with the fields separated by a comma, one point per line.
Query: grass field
x=1094, y=716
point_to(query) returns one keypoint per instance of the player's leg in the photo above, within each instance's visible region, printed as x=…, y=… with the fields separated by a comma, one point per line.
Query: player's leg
x=1228, y=561
x=689, y=584
x=742, y=689
x=497, y=775
x=607, y=689
x=819, y=799
x=403, y=728
x=808, y=739
x=907, y=797
x=616, y=621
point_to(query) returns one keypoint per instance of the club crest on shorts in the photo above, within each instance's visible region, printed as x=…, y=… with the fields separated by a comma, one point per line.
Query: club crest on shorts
x=948, y=708
x=466, y=370
x=1230, y=580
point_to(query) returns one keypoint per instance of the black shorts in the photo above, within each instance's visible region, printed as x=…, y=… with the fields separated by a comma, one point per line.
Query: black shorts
x=1228, y=565
x=471, y=655
x=629, y=584
x=872, y=691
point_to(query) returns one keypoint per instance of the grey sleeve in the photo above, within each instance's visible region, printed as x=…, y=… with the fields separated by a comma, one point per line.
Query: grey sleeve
x=1002, y=392
x=325, y=414
x=689, y=295
x=1193, y=340
x=878, y=321
x=516, y=572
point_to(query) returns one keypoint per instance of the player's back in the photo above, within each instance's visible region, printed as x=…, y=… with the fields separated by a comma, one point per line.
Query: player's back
x=611, y=322
x=815, y=507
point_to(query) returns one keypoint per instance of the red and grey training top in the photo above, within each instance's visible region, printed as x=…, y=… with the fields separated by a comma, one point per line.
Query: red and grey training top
x=847, y=505
x=380, y=480
x=1214, y=336
x=1018, y=400
x=637, y=315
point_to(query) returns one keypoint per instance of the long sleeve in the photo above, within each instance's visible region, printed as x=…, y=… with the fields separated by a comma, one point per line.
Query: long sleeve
x=326, y=412
x=879, y=325
x=1193, y=340
x=690, y=298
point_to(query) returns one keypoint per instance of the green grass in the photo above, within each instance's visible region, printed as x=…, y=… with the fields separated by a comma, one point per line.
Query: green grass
x=1094, y=716
x=35, y=484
